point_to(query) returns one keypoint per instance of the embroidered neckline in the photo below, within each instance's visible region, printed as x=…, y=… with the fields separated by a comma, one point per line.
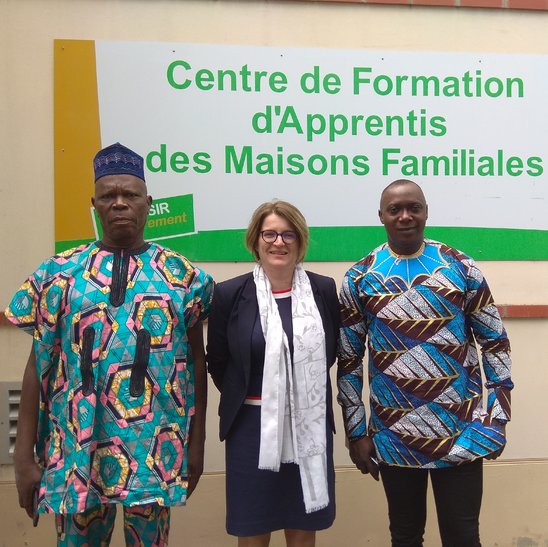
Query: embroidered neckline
x=120, y=269
x=136, y=251
x=407, y=257
x=409, y=267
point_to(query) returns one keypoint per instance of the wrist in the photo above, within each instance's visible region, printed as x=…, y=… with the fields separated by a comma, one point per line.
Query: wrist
x=23, y=458
x=24, y=468
x=356, y=438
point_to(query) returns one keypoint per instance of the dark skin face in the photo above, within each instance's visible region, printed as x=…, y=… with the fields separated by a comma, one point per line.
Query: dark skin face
x=403, y=211
x=122, y=203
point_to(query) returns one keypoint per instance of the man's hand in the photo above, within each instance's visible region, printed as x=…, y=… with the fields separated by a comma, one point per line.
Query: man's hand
x=27, y=472
x=195, y=465
x=497, y=453
x=27, y=480
x=361, y=453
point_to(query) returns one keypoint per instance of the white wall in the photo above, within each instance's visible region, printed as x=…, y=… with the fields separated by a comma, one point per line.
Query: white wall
x=27, y=31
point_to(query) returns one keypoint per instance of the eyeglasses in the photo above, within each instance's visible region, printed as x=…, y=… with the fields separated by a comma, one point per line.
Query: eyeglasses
x=270, y=236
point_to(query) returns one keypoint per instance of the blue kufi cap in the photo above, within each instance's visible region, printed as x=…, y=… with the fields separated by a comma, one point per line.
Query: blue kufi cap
x=117, y=159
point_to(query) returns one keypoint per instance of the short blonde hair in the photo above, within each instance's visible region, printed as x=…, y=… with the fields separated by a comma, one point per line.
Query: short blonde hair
x=282, y=209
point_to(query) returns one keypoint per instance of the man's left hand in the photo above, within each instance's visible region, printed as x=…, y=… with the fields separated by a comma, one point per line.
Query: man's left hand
x=195, y=465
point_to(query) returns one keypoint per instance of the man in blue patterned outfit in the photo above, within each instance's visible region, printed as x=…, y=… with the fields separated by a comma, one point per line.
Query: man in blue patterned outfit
x=420, y=307
x=114, y=392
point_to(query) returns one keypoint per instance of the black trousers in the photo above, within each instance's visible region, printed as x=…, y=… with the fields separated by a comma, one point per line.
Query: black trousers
x=457, y=492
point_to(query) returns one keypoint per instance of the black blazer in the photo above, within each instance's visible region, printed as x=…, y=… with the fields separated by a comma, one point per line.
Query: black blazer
x=233, y=314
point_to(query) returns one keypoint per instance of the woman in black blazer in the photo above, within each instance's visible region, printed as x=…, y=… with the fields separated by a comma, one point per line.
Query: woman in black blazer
x=272, y=336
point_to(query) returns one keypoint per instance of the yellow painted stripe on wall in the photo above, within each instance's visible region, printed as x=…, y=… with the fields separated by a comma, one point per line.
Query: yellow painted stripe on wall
x=77, y=136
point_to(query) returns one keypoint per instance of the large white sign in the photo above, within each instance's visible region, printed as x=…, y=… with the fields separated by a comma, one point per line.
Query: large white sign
x=329, y=129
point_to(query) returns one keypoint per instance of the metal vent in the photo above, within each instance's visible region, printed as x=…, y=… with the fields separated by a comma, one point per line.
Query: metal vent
x=10, y=397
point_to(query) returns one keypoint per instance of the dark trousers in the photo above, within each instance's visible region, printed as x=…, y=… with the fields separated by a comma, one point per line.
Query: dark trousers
x=457, y=492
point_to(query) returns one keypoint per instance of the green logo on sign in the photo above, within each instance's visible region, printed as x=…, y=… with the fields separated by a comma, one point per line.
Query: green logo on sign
x=168, y=217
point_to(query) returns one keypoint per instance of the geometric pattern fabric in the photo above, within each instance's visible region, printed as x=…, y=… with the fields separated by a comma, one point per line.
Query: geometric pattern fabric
x=99, y=440
x=420, y=318
x=146, y=525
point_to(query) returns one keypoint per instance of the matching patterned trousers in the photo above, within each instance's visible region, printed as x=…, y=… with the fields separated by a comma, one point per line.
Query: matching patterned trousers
x=144, y=526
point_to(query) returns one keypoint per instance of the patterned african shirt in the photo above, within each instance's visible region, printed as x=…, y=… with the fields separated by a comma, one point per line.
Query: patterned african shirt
x=421, y=316
x=116, y=373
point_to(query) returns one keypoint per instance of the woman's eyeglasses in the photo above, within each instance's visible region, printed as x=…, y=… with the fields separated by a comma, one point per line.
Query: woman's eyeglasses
x=270, y=236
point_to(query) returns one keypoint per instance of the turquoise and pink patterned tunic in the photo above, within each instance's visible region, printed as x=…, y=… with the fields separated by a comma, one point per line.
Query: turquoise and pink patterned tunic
x=420, y=317
x=116, y=373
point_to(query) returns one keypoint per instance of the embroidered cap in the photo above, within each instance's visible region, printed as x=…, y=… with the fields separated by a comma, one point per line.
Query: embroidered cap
x=117, y=159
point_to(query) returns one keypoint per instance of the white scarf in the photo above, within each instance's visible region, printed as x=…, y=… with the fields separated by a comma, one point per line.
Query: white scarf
x=293, y=407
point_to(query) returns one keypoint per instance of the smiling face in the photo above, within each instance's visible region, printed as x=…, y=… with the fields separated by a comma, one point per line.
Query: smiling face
x=278, y=255
x=403, y=211
x=122, y=204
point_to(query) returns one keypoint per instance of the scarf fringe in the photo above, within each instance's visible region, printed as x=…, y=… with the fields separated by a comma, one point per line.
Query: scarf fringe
x=316, y=508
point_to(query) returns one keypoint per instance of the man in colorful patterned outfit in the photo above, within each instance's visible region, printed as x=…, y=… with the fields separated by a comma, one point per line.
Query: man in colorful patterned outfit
x=114, y=392
x=421, y=306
